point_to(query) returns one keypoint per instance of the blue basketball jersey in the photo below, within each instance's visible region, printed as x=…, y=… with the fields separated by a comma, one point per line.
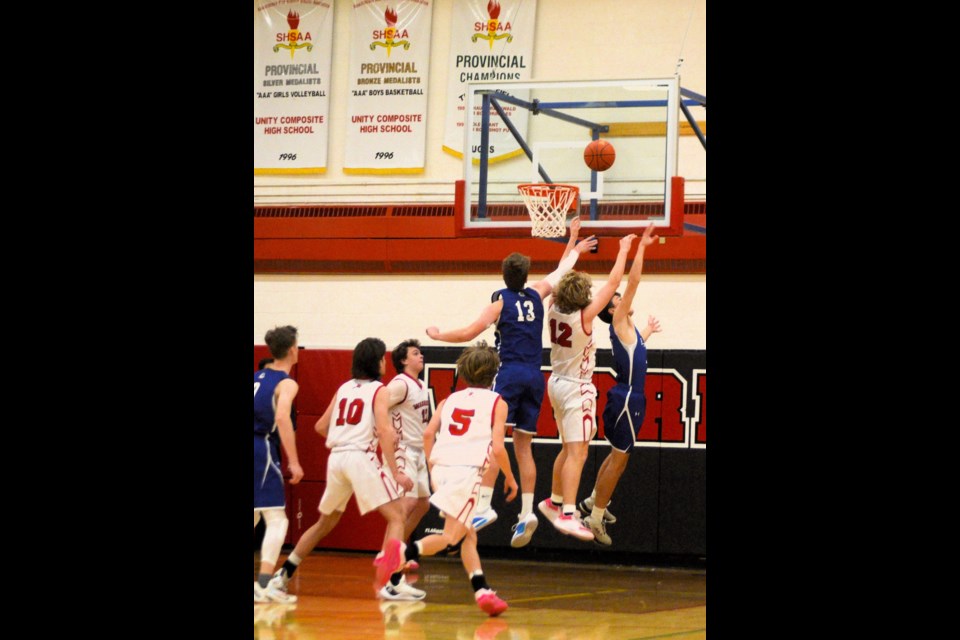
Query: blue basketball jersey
x=268, y=492
x=519, y=333
x=626, y=403
x=265, y=384
x=631, y=371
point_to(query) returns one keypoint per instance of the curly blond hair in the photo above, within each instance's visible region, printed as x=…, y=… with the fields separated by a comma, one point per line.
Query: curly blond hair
x=478, y=365
x=573, y=292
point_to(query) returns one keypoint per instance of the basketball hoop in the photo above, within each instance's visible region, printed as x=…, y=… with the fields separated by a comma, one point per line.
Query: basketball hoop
x=548, y=205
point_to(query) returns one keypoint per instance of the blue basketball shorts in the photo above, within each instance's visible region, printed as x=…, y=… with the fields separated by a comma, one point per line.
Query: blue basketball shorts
x=622, y=417
x=522, y=388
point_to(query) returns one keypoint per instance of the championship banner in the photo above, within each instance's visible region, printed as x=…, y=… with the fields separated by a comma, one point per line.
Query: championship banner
x=293, y=44
x=489, y=40
x=386, y=128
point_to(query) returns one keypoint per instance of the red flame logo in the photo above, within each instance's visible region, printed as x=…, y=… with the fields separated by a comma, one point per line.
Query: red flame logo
x=293, y=19
x=493, y=8
x=391, y=17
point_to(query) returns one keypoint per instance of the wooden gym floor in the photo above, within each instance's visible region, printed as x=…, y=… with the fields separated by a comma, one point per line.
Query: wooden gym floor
x=548, y=600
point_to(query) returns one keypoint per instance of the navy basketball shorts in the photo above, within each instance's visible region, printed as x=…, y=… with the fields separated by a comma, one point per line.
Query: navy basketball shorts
x=623, y=416
x=522, y=388
x=268, y=490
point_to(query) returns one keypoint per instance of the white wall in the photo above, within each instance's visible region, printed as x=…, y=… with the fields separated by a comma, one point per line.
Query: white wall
x=339, y=311
x=574, y=40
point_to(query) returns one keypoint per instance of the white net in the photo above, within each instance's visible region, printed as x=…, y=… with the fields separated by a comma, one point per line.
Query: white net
x=548, y=205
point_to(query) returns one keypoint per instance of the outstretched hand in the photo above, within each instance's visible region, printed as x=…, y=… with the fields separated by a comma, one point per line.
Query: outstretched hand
x=587, y=244
x=648, y=237
x=433, y=332
x=626, y=241
x=653, y=324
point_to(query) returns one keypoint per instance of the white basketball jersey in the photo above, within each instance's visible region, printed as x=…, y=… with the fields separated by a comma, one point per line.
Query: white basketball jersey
x=352, y=425
x=466, y=428
x=573, y=353
x=411, y=411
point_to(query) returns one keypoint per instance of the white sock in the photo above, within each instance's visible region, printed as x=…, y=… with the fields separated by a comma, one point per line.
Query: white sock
x=568, y=509
x=486, y=494
x=556, y=498
x=597, y=514
x=526, y=504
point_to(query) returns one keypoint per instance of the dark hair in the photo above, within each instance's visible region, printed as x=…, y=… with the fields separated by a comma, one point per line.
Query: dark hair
x=478, y=365
x=264, y=362
x=280, y=340
x=607, y=314
x=366, y=359
x=400, y=353
x=515, y=267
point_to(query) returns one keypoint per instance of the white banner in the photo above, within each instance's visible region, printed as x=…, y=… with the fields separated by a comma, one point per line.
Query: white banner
x=489, y=40
x=291, y=85
x=389, y=68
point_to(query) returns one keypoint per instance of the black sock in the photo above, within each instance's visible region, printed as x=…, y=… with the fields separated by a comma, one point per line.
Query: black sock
x=412, y=553
x=289, y=568
x=479, y=582
x=396, y=577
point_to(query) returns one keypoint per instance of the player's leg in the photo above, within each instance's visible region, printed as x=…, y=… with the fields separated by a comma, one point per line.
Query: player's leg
x=485, y=514
x=486, y=597
x=273, y=537
x=390, y=582
x=586, y=505
x=333, y=502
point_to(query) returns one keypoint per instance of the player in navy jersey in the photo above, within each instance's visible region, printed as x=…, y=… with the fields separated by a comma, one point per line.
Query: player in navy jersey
x=273, y=394
x=626, y=403
x=517, y=311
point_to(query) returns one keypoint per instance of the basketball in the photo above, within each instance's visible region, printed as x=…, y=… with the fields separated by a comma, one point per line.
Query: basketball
x=599, y=155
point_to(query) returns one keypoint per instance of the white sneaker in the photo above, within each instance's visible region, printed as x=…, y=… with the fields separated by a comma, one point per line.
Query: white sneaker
x=550, y=510
x=281, y=578
x=523, y=530
x=586, y=508
x=572, y=526
x=402, y=591
x=600, y=534
x=482, y=519
x=272, y=593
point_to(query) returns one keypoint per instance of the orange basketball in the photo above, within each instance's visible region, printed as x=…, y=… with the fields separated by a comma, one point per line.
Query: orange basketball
x=599, y=155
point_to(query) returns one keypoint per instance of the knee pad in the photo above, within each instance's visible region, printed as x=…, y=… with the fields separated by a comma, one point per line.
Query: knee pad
x=274, y=536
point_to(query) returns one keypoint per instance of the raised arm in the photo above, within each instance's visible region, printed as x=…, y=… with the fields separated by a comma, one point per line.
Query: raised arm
x=487, y=317
x=621, y=315
x=286, y=392
x=567, y=261
x=606, y=292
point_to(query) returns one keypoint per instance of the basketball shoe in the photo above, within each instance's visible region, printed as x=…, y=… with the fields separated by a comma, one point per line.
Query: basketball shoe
x=586, y=508
x=523, y=530
x=572, y=526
